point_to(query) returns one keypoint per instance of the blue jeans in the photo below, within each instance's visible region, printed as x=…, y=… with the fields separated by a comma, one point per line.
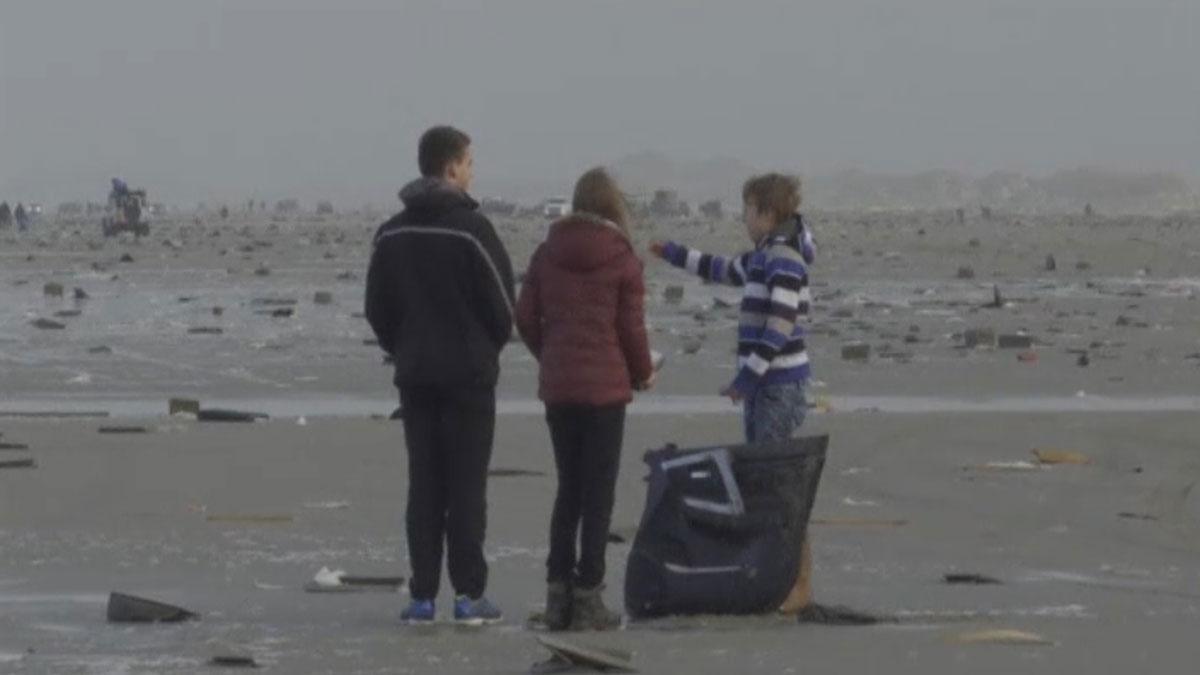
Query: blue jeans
x=775, y=412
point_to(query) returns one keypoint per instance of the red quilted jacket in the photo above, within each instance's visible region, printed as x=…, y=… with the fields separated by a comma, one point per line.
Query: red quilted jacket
x=581, y=312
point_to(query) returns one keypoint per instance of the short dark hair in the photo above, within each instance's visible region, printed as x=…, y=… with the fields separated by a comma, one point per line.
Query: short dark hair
x=773, y=193
x=439, y=147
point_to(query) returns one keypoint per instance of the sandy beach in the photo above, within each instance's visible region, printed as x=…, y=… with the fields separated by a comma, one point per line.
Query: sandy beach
x=930, y=466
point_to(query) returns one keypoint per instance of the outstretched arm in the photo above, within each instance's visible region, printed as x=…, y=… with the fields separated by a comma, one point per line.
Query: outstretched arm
x=717, y=269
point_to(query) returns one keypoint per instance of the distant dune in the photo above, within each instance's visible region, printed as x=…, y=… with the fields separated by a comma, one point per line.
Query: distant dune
x=1066, y=190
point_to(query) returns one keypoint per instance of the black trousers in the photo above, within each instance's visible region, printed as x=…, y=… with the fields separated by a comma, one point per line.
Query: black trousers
x=449, y=433
x=587, y=452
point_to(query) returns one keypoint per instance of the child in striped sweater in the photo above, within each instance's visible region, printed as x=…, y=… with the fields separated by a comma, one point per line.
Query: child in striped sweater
x=773, y=366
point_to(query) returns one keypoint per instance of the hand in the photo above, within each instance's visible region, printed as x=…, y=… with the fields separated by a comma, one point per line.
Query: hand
x=732, y=393
x=648, y=384
x=658, y=248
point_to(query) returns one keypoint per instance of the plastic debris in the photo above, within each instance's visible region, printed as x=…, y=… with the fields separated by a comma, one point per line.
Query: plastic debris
x=572, y=657
x=1060, y=457
x=124, y=608
x=220, y=415
x=1001, y=636
x=969, y=578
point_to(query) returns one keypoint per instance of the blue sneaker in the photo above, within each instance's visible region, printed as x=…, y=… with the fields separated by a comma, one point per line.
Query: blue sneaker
x=476, y=612
x=418, y=611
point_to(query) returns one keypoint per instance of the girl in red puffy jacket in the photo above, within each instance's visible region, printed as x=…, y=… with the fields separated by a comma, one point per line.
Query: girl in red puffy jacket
x=581, y=313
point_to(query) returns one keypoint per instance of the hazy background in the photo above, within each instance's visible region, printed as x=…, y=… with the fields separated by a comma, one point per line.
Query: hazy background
x=227, y=100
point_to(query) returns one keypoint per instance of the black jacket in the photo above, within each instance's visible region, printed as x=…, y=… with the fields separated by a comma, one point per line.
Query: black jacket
x=440, y=289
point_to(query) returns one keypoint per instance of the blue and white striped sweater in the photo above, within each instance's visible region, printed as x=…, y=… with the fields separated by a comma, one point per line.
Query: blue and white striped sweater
x=775, y=301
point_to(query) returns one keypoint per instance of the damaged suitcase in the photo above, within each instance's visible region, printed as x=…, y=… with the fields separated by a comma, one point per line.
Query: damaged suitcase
x=722, y=528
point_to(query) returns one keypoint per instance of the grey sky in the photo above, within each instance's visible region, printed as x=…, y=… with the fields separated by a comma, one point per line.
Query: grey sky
x=200, y=100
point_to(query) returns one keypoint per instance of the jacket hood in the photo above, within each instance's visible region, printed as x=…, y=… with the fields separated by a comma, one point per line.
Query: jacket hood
x=434, y=193
x=582, y=242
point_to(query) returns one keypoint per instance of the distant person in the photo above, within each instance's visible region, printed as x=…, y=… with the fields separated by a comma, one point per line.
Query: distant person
x=440, y=299
x=773, y=367
x=22, y=218
x=5, y=215
x=581, y=314
x=119, y=190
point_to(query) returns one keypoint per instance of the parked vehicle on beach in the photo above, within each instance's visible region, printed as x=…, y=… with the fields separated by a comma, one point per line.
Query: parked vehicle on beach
x=556, y=207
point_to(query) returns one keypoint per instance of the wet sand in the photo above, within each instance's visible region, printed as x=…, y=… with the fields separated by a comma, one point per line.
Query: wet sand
x=903, y=500
x=131, y=513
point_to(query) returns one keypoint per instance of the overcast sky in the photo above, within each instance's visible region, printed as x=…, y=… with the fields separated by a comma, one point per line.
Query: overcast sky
x=206, y=100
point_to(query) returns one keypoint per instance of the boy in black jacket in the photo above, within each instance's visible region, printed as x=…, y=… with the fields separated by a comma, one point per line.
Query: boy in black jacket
x=440, y=300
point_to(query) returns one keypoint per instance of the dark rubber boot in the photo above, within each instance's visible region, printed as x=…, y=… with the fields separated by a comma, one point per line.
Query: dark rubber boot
x=558, y=606
x=589, y=613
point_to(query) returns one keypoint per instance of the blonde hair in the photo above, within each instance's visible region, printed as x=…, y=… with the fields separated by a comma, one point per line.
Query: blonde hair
x=596, y=192
x=773, y=193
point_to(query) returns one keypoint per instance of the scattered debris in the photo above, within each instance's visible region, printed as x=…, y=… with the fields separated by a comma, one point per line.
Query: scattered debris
x=54, y=414
x=856, y=352
x=1061, y=457
x=186, y=406
x=18, y=464
x=1000, y=636
x=233, y=661
x=274, y=302
x=969, y=578
x=1017, y=466
x=1130, y=515
x=1015, y=341
x=47, y=324
x=566, y=656
x=221, y=415
x=979, y=337
x=835, y=615
x=337, y=581
x=673, y=295
x=123, y=430
x=997, y=299
x=124, y=608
